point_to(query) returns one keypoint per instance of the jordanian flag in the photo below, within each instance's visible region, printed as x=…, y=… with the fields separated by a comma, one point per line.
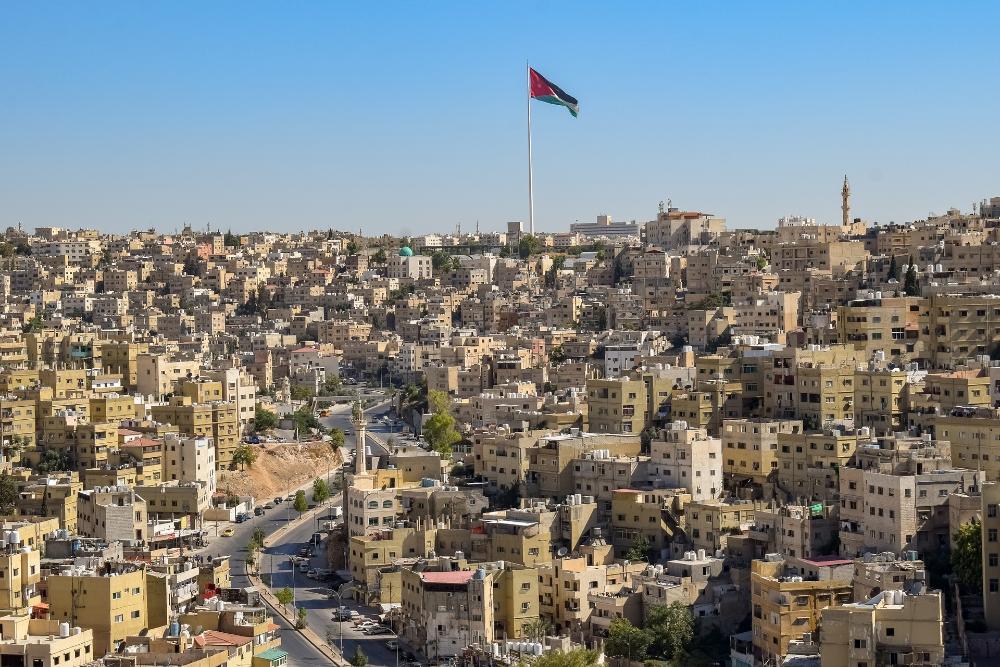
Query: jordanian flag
x=546, y=91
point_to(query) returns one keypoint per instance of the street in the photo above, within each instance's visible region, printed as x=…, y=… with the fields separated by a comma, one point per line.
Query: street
x=275, y=567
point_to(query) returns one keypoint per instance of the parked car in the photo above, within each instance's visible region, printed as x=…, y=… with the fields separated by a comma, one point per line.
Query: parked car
x=252, y=439
x=228, y=532
x=240, y=518
x=258, y=511
x=278, y=500
x=378, y=630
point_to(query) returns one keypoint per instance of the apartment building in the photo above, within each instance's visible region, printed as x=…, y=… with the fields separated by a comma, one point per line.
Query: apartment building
x=688, y=458
x=616, y=405
x=110, y=600
x=789, y=597
x=894, y=627
x=40, y=642
x=216, y=420
x=750, y=448
x=112, y=513
x=991, y=553
x=809, y=462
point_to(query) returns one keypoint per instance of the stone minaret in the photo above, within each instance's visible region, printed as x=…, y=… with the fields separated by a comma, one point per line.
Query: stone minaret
x=845, y=206
x=360, y=425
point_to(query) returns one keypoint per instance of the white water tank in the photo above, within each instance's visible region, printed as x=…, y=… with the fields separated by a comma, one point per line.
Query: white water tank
x=64, y=629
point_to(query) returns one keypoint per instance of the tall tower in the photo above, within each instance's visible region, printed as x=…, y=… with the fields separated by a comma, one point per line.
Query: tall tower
x=360, y=423
x=845, y=206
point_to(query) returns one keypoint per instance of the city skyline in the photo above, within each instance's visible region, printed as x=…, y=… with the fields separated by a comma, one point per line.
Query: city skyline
x=265, y=119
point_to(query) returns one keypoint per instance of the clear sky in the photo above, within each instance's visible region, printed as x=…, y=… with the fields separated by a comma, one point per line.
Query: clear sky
x=410, y=117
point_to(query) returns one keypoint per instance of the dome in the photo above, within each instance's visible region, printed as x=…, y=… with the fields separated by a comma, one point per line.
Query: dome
x=406, y=251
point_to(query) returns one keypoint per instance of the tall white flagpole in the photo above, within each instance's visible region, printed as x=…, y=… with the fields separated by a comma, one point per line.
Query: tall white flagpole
x=531, y=195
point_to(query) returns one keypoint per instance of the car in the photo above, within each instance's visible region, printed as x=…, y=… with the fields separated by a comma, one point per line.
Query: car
x=362, y=621
x=228, y=532
x=269, y=506
x=252, y=439
x=392, y=645
x=378, y=630
x=240, y=518
x=342, y=615
x=290, y=497
x=258, y=511
x=278, y=500
x=304, y=552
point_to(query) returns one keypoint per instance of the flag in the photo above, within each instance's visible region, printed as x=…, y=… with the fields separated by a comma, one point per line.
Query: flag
x=546, y=91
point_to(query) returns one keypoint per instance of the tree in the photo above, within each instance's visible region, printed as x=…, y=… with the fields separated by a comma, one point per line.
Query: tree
x=624, y=640
x=440, y=260
x=670, y=629
x=231, y=240
x=359, y=659
x=439, y=430
x=893, y=269
x=321, y=490
x=301, y=619
x=639, y=549
x=258, y=536
x=264, y=420
x=337, y=438
x=285, y=596
x=379, y=256
x=537, y=629
x=578, y=657
x=244, y=456
x=35, y=325
x=300, y=393
x=528, y=246
x=910, y=285
x=967, y=556
x=301, y=505
x=52, y=460
x=8, y=494
x=352, y=247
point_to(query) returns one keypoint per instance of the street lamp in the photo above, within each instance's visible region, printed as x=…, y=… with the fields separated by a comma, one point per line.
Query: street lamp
x=344, y=588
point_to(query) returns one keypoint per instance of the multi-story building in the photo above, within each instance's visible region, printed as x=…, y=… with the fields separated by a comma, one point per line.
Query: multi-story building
x=216, y=420
x=789, y=597
x=683, y=457
x=750, y=448
x=616, y=405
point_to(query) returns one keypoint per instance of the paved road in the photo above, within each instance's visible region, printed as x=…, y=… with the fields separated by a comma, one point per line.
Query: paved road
x=311, y=595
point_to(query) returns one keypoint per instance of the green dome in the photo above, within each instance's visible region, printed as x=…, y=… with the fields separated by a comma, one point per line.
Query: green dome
x=406, y=251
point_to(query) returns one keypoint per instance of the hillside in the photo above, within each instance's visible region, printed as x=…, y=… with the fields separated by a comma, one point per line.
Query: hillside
x=280, y=468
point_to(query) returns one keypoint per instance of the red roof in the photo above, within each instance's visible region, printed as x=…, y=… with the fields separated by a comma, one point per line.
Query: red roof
x=460, y=577
x=216, y=638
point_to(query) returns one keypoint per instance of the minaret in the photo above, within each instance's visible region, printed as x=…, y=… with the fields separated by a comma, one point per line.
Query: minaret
x=845, y=206
x=360, y=425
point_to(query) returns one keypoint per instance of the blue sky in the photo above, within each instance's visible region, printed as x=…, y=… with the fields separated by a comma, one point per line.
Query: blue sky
x=410, y=117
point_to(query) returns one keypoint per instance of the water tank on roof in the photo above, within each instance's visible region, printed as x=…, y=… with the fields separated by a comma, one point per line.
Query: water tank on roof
x=64, y=629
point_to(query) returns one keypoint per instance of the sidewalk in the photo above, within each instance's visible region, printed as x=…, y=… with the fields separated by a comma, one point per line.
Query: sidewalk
x=269, y=598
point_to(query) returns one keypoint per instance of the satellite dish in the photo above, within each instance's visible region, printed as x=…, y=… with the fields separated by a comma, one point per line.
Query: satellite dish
x=562, y=552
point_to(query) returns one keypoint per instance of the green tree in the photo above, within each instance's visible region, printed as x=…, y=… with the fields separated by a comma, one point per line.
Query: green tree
x=302, y=618
x=244, y=456
x=578, y=657
x=379, y=256
x=333, y=385
x=305, y=420
x=352, y=247
x=440, y=260
x=670, y=629
x=285, y=596
x=910, y=285
x=8, y=494
x=264, y=420
x=639, y=549
x=258, y=536
x=359, y=659
x=537, y=629
x=439, y=430
x=231, y=240
x=624, y=640
x=301, y=504
x=528, y=246
x=967, y=556
x=893, y=269
x=300, y=393
x=35, y=325
x=337, y=437
x=321, y=490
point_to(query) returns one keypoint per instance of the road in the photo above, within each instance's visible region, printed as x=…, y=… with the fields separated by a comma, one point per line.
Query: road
x=311, y=595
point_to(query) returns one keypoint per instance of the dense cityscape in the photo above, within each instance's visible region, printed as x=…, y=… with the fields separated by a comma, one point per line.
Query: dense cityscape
x=665, y=442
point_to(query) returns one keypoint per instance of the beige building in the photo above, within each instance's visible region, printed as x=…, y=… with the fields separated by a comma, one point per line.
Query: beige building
x=111, y=601
x=788, y=598
x=616, y=406
x=216, y=420
x=750, y=447
x=682, y=457
x=892, y=628
x=111, y=513
x=35, y=642
x=991, y=554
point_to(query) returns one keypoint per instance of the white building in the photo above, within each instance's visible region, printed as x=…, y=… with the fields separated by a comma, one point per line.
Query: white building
x=688, y=458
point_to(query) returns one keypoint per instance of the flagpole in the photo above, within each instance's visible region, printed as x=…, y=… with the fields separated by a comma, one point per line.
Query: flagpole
x=531, y=195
